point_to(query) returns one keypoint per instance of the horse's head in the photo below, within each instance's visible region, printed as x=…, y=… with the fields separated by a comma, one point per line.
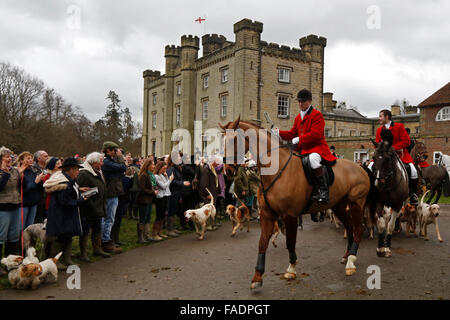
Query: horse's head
x=384, y=160
x=231, y=137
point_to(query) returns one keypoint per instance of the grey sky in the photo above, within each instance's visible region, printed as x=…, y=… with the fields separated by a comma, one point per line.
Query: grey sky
x=408, y=57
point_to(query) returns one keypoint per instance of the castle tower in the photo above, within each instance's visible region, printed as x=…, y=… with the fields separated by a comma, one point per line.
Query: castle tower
x=247, y=69
x=313, y=48
x=212, y=42
x=149, y=77
x=189, y=55
x=172, y=54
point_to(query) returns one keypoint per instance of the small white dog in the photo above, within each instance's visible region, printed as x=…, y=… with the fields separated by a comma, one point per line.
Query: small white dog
x=428, y=214
x=25, y=276
x=12, y=261
x=49, y=269
x=201, y=216
x=31, y=256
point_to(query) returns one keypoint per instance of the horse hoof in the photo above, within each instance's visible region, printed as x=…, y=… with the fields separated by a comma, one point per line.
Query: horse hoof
x=388, y=253
x=350, y=271
x=232, y=235
x=381, y=252
x=290, y=275
x=255, y=285
x=344, y=260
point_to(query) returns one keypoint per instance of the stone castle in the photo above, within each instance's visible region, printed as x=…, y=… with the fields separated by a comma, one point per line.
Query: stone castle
x=246, y=77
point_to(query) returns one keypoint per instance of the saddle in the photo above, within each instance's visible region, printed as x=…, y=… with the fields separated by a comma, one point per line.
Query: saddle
x=329, y=173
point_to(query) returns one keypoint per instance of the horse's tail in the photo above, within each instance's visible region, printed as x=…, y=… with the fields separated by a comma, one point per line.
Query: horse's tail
x=372, y=196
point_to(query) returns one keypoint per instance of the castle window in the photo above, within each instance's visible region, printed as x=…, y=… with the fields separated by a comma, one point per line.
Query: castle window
x=352, y=133
x=205, y=81
x=340, y=132
x=177, y=114
x=283, y=106
x=154, y=98
x=284, y=75
x=178, y=88
x=224, y=75
x=443, y=114
x=223, y=105
x=417, y=129
x=327, y=132
x=205, y=109
x=154, y=120
x=363, y=133
x=436, y=157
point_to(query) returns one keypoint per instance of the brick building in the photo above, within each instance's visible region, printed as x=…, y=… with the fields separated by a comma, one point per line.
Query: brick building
x=246, y=77
x=435, y=122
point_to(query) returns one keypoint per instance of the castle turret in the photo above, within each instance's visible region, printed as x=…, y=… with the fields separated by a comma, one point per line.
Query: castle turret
x=314, y=46
x=189, y=51
x=328, y=103
x=248, y=33
x=212, y=42
x=151, y=75
x=172, y=55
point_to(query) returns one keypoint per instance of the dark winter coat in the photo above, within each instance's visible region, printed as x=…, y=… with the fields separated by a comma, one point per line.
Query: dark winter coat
x=113, y=169
x=63, y=216
x=95, y=206
x=146, y=192
x=253, y=182
x=188, y=174
x=32, y=192
x=178, y=183
x=208, y=180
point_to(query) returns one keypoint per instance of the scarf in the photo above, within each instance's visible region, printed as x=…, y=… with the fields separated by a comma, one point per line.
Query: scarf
x=152, y=178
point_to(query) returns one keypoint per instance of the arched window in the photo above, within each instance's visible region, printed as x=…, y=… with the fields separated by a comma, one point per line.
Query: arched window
x=443, y=114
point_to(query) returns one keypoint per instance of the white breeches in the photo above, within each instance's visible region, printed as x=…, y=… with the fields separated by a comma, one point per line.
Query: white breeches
x=411, y=165
x=413, y=171
x=314, y=160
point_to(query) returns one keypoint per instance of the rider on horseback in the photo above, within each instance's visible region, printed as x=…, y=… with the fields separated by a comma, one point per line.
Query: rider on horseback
x=400, y=143
x=308, y=133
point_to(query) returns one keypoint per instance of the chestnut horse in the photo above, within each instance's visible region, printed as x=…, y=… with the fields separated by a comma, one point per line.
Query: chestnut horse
x=286, y=193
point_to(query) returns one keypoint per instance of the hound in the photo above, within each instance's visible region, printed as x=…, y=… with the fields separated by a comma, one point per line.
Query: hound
x=201, y=216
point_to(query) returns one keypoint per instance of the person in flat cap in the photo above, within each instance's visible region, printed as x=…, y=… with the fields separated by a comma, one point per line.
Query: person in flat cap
x=113, y=169
x=63, y=216
x=308, y=133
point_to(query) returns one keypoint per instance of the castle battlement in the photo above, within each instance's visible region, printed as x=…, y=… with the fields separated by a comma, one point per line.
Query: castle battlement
x=190, y=41
x=247, y=24
x=151, y=73
x=283, y=51
x=172, y=50
x=313, y=40
x=213, y=38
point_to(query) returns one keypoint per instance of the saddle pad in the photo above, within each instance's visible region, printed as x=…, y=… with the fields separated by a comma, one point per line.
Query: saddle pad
x=310, y=174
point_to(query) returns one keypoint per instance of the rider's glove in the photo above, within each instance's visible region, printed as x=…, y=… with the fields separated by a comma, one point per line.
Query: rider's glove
x=295, y=140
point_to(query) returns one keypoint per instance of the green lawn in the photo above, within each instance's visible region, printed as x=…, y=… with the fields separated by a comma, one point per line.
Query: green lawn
x=128, y=235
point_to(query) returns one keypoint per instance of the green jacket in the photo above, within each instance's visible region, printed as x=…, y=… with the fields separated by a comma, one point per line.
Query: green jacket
x=241, y=182
x=253, y=182
x=95, y=206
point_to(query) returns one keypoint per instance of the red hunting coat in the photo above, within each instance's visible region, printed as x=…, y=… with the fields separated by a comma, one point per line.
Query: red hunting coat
x=310, y=130
x=401, y=140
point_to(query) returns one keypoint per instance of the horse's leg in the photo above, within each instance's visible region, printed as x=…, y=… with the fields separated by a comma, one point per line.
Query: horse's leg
x=439, y=192
x=267, y=224
x=341, y=213
x=291, y=238
x=356, y=214
x=390, y=230
x=431, y=194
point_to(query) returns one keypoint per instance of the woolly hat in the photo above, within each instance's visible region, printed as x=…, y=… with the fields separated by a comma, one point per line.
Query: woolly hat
x=51, y=163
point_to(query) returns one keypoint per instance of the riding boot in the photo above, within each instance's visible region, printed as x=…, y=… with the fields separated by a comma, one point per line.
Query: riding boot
x=66, y=257
x=57, y=247
x=412, y=192
x=116, y=237
x=97, y=245
x=314, y=217
x=140, y=232
x=155, y=229
x=113, y=234
x=83, y=248
x=321, y=196
x=170, y=228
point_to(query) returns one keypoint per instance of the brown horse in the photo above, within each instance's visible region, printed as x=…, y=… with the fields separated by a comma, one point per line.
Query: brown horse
x=434, y=176
x=286, y=193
